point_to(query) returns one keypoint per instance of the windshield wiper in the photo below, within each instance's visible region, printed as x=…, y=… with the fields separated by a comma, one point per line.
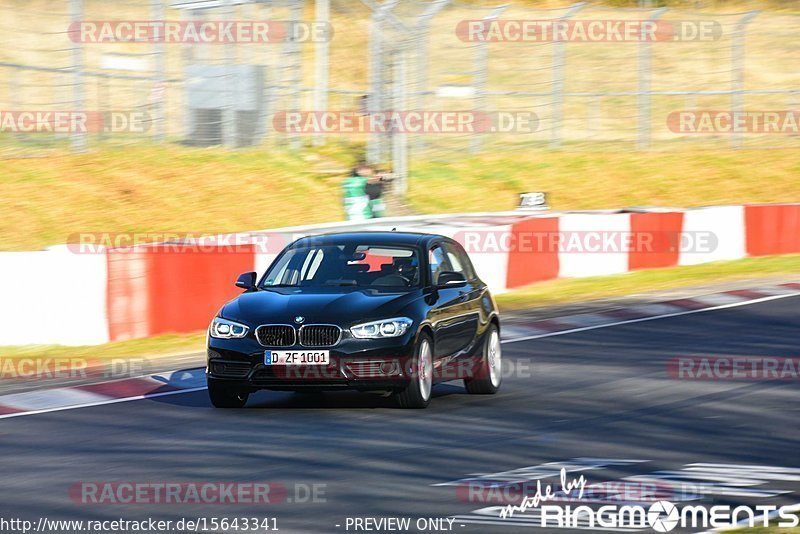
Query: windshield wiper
x=276, y=286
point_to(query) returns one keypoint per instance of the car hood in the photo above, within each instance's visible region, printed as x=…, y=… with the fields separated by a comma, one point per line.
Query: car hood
x=344, y=308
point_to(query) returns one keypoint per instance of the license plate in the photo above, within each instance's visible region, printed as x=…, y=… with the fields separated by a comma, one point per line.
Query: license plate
x=296, y=357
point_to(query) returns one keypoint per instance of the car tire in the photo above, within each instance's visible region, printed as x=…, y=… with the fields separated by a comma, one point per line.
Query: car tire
x=420, y=388
x=225, y=396
x=489, y=374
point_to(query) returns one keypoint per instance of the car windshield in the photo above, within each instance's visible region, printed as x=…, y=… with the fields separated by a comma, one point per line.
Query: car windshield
x=361, y=266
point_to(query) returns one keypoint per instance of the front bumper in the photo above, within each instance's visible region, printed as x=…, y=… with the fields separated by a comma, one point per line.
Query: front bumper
x=379, y=364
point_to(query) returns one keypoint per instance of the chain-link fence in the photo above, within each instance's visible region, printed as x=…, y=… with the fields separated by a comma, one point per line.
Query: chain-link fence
x=648, y=79
x=208, y=82
x=582, y=76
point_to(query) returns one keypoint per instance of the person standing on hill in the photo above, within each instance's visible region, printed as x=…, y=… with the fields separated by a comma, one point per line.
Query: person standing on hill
x=376, y=185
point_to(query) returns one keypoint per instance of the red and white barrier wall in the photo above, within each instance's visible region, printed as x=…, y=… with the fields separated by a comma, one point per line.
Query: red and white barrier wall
x=62, y=296
x=657, y=239
x=53, y=297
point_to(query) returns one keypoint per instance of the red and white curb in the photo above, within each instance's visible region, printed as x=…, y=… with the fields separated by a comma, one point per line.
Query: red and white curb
x=102, y=393
x=190, y=380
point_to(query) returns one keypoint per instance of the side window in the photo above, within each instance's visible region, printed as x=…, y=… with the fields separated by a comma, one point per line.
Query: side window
x=437, y=260
x=459, y=261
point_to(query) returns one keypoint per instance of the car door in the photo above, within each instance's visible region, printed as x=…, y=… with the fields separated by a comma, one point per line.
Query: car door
x=469, y=296
x=448, y=321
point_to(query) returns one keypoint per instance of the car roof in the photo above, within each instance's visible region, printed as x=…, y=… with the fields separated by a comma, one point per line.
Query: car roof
x=369, y=238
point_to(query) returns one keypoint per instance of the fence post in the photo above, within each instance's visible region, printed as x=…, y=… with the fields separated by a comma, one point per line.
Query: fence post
x=421, y=34
x=479, y=83
x=737, y=71
x=645, y=76
x=159, y=91
x=292, y=55
x=78, y=140
x=558, y=80
x=480, y=76
x=375, y=144
x=270, y=90
x=322, y=15
x=231, y=81
x=400, y=139
x=375, y=80
x=15, y=81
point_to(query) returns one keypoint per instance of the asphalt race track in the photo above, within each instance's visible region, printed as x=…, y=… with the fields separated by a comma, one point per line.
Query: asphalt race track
x=601, y=394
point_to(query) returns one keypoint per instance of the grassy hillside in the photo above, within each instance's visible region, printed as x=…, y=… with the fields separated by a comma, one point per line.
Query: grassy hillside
x=178, y=189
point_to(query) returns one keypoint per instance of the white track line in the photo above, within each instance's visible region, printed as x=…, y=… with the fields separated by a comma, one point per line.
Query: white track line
x=652, y=318
x=103, y=403
x=515, y=340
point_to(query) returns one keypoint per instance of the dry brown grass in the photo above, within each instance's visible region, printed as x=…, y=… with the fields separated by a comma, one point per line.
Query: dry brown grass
x=178, y=189
x=44, y=200
x=613, y=179
x=172, y=188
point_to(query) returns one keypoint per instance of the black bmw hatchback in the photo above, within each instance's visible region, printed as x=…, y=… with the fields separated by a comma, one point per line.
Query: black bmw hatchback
x=388, y=312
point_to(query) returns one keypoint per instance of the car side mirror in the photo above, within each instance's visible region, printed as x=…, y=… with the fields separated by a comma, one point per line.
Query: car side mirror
x=246, y=280
x=451, y=279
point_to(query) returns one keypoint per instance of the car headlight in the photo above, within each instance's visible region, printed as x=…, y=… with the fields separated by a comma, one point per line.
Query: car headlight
x=224, y=329
x=380, y=329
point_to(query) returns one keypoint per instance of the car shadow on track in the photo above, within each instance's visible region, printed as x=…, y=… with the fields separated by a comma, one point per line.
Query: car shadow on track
x=296, y=400
x=336, y=399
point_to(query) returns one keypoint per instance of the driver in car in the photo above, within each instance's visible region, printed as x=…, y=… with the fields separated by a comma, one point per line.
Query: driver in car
x=404, y=273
